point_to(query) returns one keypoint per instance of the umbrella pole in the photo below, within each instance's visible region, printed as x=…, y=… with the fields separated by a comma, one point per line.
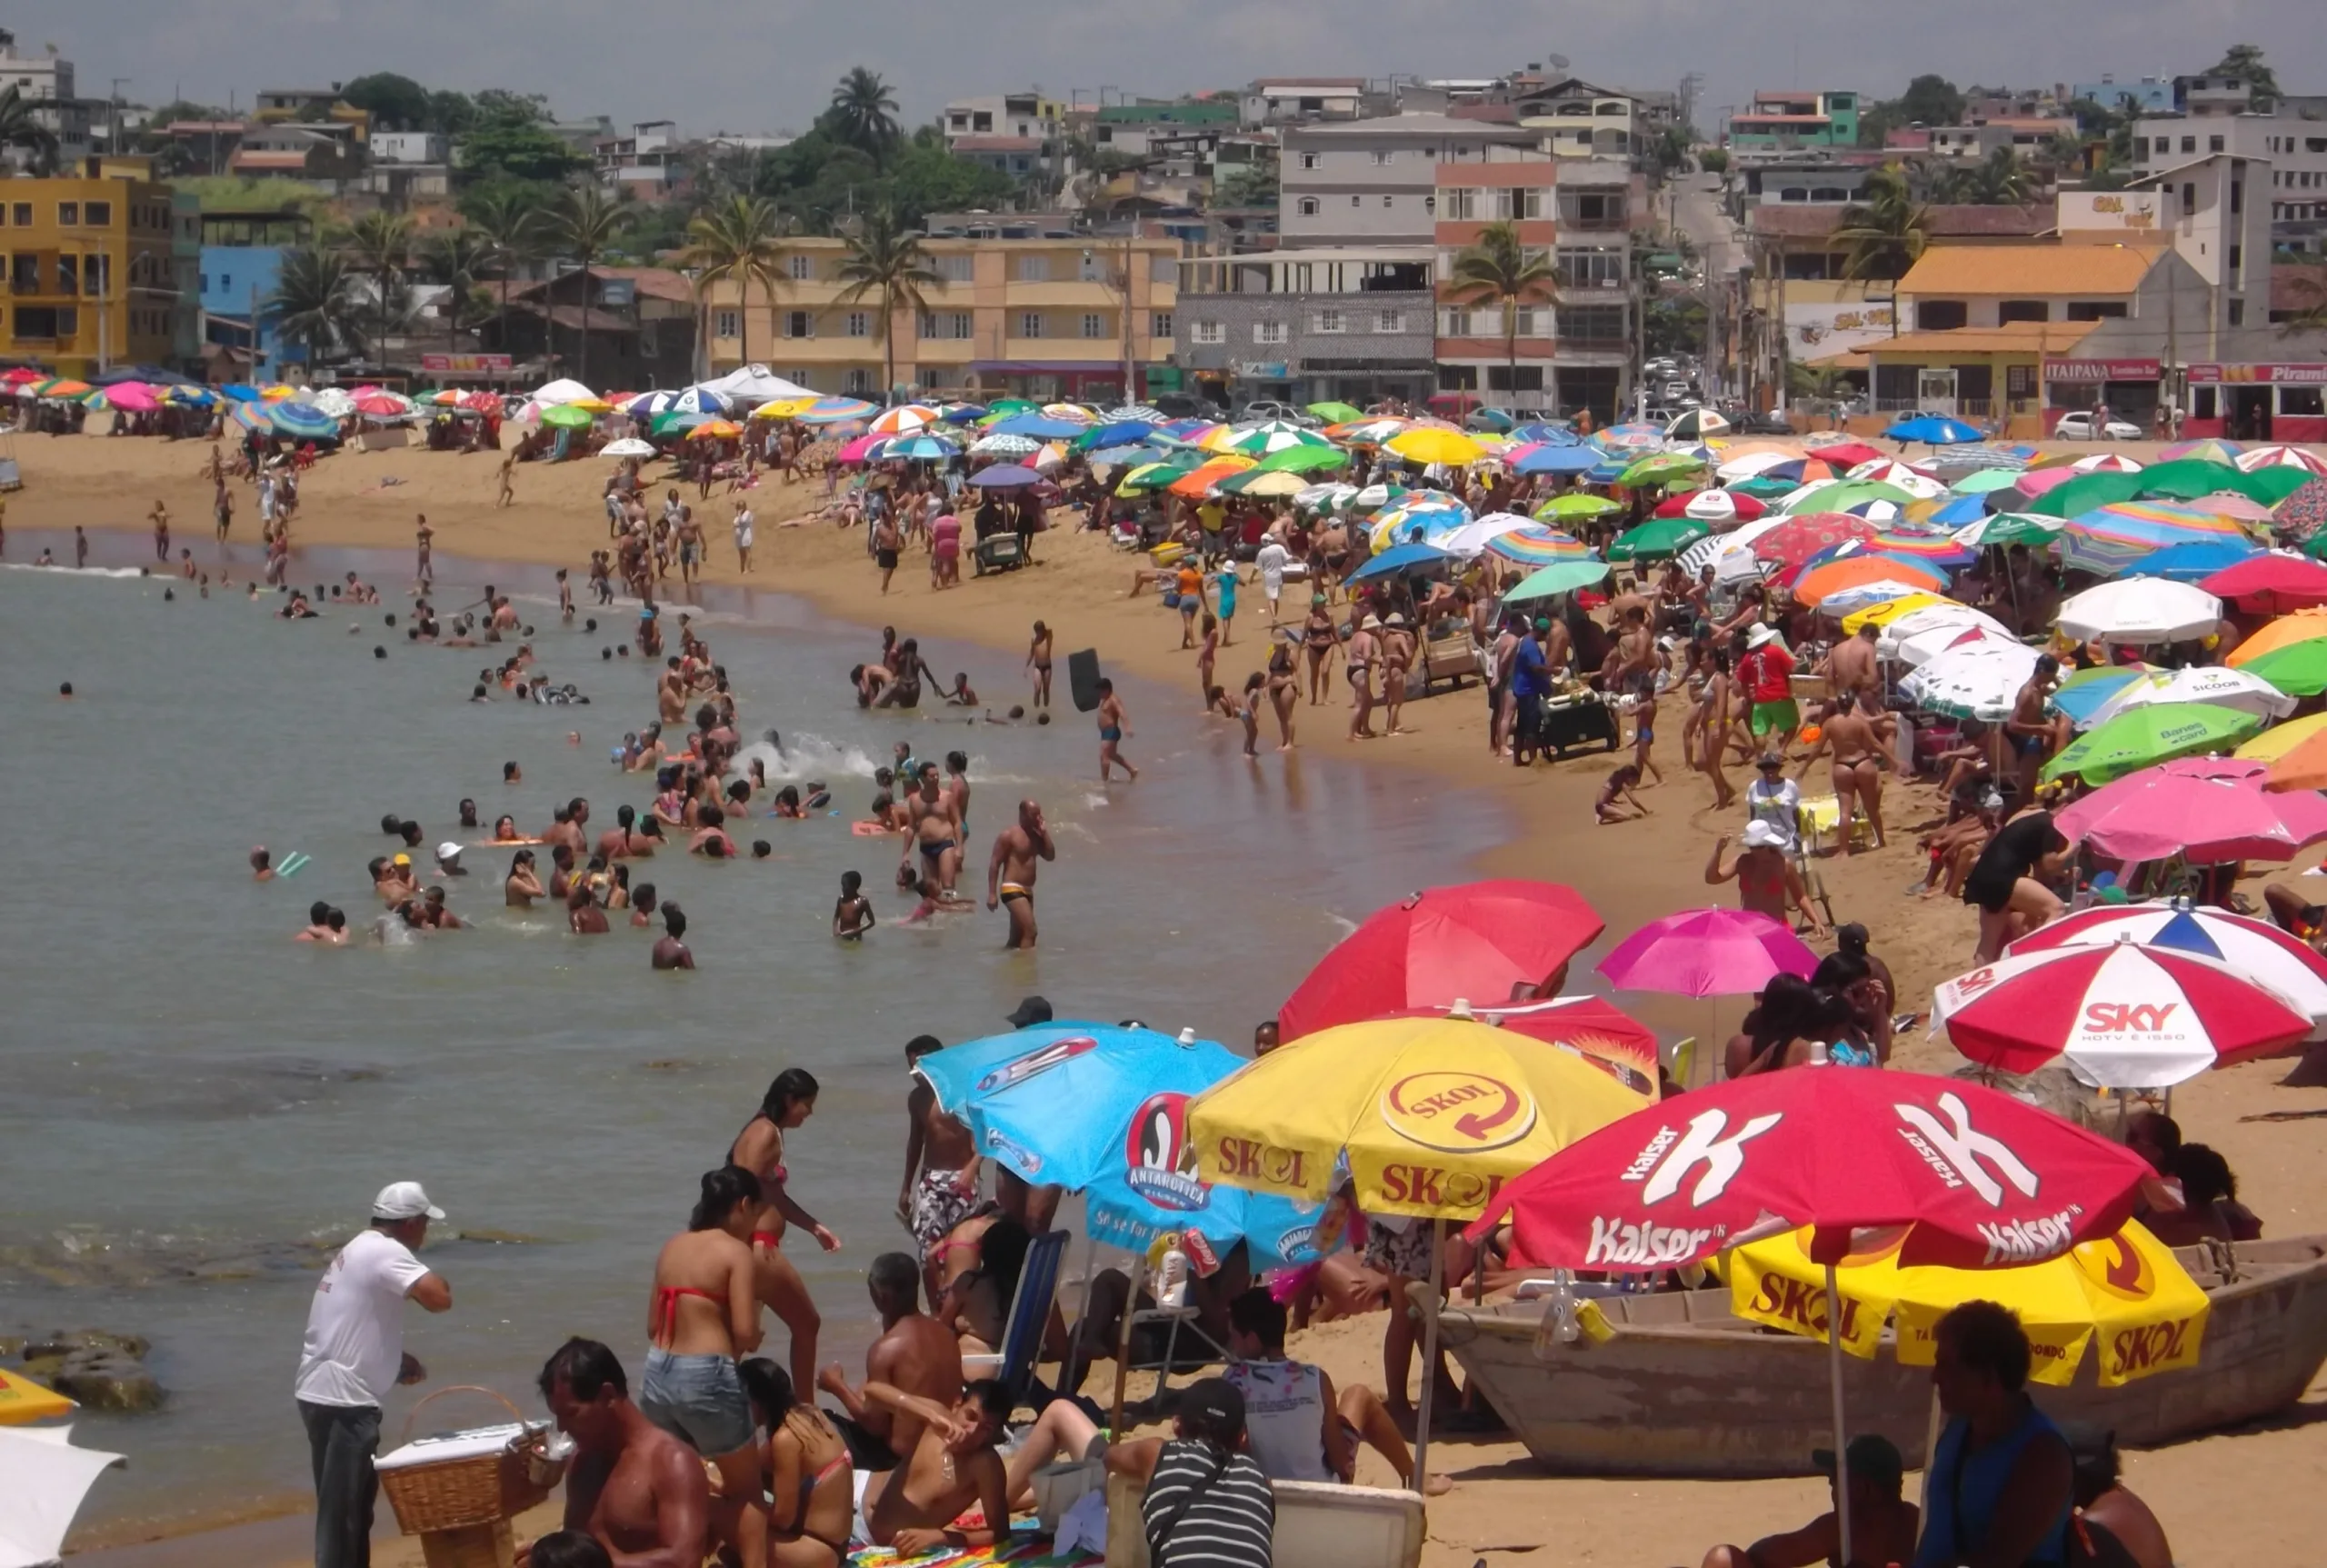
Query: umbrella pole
x=1841, y=1442
x=1429, y=1355
x=1123, y=1350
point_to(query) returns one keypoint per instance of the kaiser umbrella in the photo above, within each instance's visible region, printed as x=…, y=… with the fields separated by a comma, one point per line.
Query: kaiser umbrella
x=2147, y=736
x=2120, y=1016
x=2256, y=949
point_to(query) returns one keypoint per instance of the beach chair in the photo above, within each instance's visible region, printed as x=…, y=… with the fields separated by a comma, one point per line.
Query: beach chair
x=1030, y=1315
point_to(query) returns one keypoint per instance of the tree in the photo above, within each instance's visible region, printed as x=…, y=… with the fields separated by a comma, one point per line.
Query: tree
x=2308, y=287
x=314, y=302
x=1929, y=100
x=585, y=227
x=517, y=150
x=2245, y=62
x=21, y=129
x=886, y=260
x=1884, y=232
x=1674, y=326
x=394, y=103
x=736, y=243
x=1496, y=268
x=380, y=245
x=2000, y=180
x=508, y=219
x=863, y=114
x=459, y=259
x=1713, y=160
x=1248, y=185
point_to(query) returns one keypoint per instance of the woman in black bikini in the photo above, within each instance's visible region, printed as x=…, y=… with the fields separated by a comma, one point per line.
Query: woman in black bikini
x=805, y=1467
x=790, y=1101
x=1319, y=637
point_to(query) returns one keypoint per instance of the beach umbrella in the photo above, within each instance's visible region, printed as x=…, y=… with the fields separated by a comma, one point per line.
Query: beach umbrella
x=1002, y=406
x=1005, y=446
x=2210, y=809
x=2299, y=669
x=251, y=417
x=1429, y=447
x=2085, y=692
x=1379, y=496
x=1980, y=678
x=2302, y=514
x=835, y=411
x=2006, y=528
x=551, y=394
x=1072, y=413
x=2076, y=495
x=1115, y=432
x=1933, y=430
x=1535, y=545
x=1658, y=536
x=1122, y=414
x=1197, y=483
x=2140, y=610
x=2276, y=960
x=1981, y=481
x=1305, y=459
x=303, y=420
x=2107, y=463
x=856, y=449
x=1040, y=427
x=1696, y=425
x=1889, y=608
x=2298, y=626
x=2280, y=739
x=128, y=397
x=1882, y=591
x=2301, y=458
x=2119, y=1291
x=1005, y=477
x=1630, y=438
x=1335, y=413
x=1940, y=550
x=1802, y=536
x=1271, y=436
x=1846, y=495
x=1434, y=947
x=1265, y=482
x=1894, y=471
x=1706, y=952
x=23, y=1400
x=1401, y=558
x=1546, y=459
x=2147, y=736
x=713, y=429
x=1901, y=626
x=44, y=1479
x=187, y=394
x=2206, y=449
x=1575, y=506
x=2190, y=478
x=1813, y=583
x=1659, y=469
x=565, y=416
x=2215, y=683
x=917, y=449
x=783, y=407
x=1717, y=507
x=628, y=446
x=1149, y=477
x=1325, y=497
x=2117, y=1016
x=2193, y=560
x=904, y=419
x=1729, y=554
x=379, y=404
x=1752, y=462
x=1369, y=431
x=1559, y=577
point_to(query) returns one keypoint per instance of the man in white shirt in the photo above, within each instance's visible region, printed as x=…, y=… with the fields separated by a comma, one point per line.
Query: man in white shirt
x=353, y=1353
x=1272, y=561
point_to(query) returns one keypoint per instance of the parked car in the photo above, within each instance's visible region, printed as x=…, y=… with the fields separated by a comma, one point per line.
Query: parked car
x=1758, y=421
x=1185, y=405
x=1264, y=408
x=2078, y=426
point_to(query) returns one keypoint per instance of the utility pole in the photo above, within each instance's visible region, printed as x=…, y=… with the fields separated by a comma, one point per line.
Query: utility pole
x=113, y=104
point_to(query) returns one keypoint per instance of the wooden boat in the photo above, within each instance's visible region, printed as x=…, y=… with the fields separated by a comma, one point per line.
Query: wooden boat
x=1684, y=1388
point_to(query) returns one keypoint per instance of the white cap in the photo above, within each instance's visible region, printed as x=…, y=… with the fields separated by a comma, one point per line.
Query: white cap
x=449, y=850
x=1763, y=835
x=404, y=1200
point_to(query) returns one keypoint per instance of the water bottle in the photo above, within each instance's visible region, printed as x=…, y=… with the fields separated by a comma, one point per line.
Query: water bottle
x=1818, y=1057
x=1172, y=1281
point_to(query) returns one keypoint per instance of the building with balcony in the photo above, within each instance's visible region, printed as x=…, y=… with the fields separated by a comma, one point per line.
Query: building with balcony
x=100, y=270
x=1029, y=114
x=1577, y=120
x=2147, y=94
x=239, y=259
x=326, y=155
x=1374, y=182
x=44, y=82
x=645, y=165
x=1352, y=325
x=1043, y=316
x=639, y=324
x=1786, y=120
x=1301, y=100
x=2294, y=145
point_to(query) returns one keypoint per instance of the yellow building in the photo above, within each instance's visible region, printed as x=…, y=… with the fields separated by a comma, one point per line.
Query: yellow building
x=1042, y=318
x=96, y=266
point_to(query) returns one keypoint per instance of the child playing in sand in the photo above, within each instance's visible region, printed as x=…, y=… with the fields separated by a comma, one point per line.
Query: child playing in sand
x=1620, y=783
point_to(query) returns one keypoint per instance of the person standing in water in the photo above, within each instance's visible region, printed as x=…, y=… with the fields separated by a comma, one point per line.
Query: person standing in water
x=1038, y=660
x=790, y=1101
x=161, y=516
x=1114, y=724
x=1010, y=871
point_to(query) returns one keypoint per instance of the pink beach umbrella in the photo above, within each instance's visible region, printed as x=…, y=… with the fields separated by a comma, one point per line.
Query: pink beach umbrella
x=1707, y=952
x=860, y=449
x=2036, y=481
x=2209, y=808
x=131, y=397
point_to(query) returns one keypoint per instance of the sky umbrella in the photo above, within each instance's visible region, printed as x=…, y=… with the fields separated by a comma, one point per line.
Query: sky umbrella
x=1934, y=430
x=1430, y=446
x=2271, y=958
x=1005, y=476
x=2147, y=736
x=2119, y=1016
x=1657, y=537
x=1536, y=545
x=1473, y=941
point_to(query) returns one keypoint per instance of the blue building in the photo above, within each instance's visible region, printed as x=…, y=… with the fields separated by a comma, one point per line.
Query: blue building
x=241, y=258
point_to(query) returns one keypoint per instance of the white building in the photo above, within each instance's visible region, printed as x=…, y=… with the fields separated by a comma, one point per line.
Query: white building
x=1374, y=182
x=2292, y=138
x=46, y=82
x=1300, y=100
x=410, y=148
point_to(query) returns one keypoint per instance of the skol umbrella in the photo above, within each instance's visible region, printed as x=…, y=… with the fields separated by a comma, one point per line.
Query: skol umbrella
x=23, y=1400
x=1431, y=447
x=2121, y=1016
x=1473, y=941
x=2147, y=736
x=2256, y=949
x=2126, y=1293
x=2140, y=610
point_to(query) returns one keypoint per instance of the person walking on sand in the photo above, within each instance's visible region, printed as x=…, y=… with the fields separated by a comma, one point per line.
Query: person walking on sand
x=353, y=1352
x=1010, y=871
x=507, y=494
x=744, y=536
x=1114, y=724
x=884, y=547
x=1038, y=660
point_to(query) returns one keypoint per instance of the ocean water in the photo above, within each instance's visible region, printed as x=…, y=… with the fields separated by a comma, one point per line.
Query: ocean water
x=197, y=1107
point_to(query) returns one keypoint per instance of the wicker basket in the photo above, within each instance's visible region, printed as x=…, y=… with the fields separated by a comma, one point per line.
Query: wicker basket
x=465, y=1491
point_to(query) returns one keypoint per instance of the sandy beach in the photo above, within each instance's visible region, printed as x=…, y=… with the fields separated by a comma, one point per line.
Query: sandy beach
x=2269, y=1118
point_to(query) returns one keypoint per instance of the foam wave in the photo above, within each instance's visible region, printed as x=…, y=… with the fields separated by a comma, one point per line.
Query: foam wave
x=55, y=571
x=805, y=756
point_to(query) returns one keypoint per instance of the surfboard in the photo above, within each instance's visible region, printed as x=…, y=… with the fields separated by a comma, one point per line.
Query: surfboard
x=1083, y=679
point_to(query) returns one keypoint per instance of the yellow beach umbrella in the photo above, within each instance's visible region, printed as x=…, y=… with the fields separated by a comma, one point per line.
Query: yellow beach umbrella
x=278, y=393
x=1890, y=609
x=783, y=408
x=2127, y=1293
x=2301, y=627
x=23, y=1400
x=592, y=405
x=1433, y=1114
x=1429, y=446
x=2280, y=739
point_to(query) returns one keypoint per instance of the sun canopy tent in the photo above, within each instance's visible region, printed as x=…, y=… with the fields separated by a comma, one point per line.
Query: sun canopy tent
x=754, y=385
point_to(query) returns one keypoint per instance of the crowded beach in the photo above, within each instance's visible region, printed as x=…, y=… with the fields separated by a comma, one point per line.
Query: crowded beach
x=2066, y=698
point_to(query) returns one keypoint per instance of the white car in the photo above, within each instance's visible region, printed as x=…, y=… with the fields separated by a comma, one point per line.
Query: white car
x=2079, y=427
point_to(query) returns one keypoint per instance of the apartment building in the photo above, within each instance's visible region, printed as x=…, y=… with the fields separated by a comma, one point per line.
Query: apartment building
x=646, y=164
x=1354, y=324
x=1374, y=182
x=1575, y=119
x=45, y=82
x=1301, y=100
x=1044, y=316
x=1796, y=119
x=102, y=268
x=2293, y=144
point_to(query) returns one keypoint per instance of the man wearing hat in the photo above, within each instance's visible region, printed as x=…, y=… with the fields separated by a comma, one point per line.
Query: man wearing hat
x=448, y=860
x=353, y=1353
x=1766, y=672
x=1882, y=1523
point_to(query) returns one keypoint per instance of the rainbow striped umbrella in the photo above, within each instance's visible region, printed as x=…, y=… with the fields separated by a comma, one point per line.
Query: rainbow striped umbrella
x=2212, y=449
x=1940, y=551
x=1536, y=545
x=837, y=411
x=2113, y=539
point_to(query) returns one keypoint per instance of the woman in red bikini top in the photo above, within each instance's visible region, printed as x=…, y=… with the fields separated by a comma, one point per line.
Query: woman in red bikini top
x=805, y=1467
x=790, y=1101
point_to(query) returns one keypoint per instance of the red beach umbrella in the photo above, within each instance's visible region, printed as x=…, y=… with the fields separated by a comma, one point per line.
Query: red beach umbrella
x=1474, y=941
x=2270, y=584
x=1591, y=1027
x=1796, y=539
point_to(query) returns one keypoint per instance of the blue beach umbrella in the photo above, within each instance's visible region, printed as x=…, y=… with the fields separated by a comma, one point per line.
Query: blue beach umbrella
x=919, y=449
x=1549, y=434
x=1551, y=459
x=240, y=392
x=2189, y=561
x=1122, y=433
x=1933, y=430
x=303, y=420
x=1400, y=558
x=1042, y=427
x=1966, y=508
x=962, y=413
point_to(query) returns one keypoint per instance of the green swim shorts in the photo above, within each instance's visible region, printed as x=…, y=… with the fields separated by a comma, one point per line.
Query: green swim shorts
x=1779, y=716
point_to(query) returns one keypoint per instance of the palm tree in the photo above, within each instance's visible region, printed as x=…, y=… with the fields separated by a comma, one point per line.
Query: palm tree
x=510, y=223
x=380, y=245
x=314, y=303
x=885, y=260
x=583, y=226
x=19, y=127
x=1496, y=268
x=736, y=243
x=457, y=258
x=2001, y=182
x=863, y=113
x=1883, y=233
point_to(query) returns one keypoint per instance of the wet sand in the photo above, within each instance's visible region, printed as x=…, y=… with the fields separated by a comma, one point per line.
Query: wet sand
x=2273, y=1131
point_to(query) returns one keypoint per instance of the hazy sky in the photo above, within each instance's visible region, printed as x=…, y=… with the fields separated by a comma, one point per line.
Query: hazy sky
x=768, y=64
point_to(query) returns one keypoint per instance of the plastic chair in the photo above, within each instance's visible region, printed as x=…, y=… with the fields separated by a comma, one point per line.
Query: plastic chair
x=1030, y=1314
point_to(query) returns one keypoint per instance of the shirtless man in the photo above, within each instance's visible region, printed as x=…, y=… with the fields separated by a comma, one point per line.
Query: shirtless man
x=936, y=832
x=1114, y=724
x=1850, y=667
x=2034, y=737
x=1038, y=661
x=671, y=951
x=1010, y=871
x=582, y=911
x=915, y=1353
x=957, y=786
x=421, y=535
x=640, y=1492
x=941, y=1180
x=953, y=1465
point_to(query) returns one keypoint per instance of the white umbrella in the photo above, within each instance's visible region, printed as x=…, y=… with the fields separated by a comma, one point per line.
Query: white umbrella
x=1917, y=637
x=1978, y=679
x=43, y=1480
x=2217, y=684
x=2259, y=950
x=1731, y=554
x=1004, y=446
x=754, y=384
x=334, y=401
x=1800, y=498
x=628, y=446
x=1712, y=506
x=1753, y=465
x=1325, y=497
x=559, y=391
x=1469, y=538
x=2140, y=610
